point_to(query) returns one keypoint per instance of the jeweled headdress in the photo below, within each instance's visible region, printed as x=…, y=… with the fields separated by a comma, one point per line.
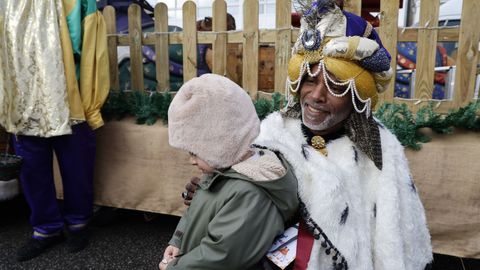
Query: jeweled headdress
x=346, y=46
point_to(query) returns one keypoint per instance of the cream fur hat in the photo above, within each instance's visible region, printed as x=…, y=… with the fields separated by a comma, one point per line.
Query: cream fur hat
x=213, y=118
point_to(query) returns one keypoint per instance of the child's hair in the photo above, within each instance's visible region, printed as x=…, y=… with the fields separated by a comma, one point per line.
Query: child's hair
x=213, y=118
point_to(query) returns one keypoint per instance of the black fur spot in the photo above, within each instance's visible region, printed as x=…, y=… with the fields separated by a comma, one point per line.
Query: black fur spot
x=261, y=153
x=259, y=146
x=412, y=185
x=304, y=151
x=344, y=216
x=374, y=210
x=355, y=153
x=429, y=266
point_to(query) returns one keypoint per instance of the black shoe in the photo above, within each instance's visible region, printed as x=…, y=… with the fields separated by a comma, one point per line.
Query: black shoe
x=77, y=240
x=35, y=247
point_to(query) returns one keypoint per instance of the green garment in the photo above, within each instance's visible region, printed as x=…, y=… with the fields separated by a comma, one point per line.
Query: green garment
x=233, y=220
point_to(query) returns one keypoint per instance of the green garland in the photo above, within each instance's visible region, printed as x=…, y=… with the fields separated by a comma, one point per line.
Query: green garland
x=148, y=106
x=407, y=127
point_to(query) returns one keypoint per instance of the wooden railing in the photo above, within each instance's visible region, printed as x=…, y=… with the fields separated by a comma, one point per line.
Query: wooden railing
x=426, y=35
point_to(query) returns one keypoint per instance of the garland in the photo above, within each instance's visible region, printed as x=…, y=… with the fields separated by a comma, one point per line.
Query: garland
x=406, y=126
x=145, y=106
x=149, y=106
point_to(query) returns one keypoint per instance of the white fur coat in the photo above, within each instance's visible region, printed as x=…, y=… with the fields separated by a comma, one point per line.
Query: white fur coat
x=374, y=218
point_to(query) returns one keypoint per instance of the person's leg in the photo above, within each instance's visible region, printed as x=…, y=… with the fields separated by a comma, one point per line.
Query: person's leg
x=76, y=159
x=36, y=178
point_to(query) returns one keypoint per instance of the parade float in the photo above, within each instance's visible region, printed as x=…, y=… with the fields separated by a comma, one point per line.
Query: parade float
x=137, y=169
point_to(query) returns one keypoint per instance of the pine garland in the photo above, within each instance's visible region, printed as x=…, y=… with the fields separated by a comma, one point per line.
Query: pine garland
x=407, y=127
x=148, y=106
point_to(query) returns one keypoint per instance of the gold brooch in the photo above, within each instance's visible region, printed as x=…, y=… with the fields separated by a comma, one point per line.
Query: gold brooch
x=319, y=144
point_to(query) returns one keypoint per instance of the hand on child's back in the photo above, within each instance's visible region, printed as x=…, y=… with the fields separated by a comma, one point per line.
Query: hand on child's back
x=169, y=255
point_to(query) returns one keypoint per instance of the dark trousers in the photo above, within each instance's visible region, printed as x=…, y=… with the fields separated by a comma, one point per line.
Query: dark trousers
x=76, y=157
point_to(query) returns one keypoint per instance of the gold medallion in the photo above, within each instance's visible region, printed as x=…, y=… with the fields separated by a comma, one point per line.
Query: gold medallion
x=319, y=144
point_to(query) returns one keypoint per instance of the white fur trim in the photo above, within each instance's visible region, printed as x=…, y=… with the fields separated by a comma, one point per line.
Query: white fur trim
x=8, y=189
x=397, y=238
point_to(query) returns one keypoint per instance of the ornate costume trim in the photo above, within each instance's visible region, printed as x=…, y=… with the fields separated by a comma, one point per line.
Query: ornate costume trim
x=339, y=262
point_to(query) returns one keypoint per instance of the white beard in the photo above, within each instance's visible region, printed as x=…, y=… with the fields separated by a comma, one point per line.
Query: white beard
x=330, y=121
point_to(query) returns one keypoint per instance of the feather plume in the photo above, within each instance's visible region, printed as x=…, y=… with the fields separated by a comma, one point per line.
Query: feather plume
x=312, y=10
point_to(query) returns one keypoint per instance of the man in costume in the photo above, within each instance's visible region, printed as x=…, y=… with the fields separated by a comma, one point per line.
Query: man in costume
x=359, y=208
x=53, y=81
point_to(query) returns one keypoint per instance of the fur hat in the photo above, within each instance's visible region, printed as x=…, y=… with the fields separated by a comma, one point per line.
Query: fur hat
x=213, y=118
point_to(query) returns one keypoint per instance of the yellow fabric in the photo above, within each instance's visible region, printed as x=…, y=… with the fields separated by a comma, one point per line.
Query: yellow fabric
x=94, y=69
x=33, y=98
x=294, y=66
x=345, y=70
x=342, y=70
x=74, y=99
x=352, y=46
x=87, y=97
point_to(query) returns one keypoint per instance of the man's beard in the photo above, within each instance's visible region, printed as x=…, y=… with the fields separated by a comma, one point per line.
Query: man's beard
x=330, y=121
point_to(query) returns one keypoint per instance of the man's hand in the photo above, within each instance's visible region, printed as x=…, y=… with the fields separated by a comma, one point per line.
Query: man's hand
x=169, y=255
x=191, y=188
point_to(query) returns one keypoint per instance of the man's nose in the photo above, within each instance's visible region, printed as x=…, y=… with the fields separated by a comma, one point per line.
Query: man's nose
x=319, y=92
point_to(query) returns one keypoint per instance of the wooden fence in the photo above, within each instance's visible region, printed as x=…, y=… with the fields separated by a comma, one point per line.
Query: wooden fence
x=282, y=37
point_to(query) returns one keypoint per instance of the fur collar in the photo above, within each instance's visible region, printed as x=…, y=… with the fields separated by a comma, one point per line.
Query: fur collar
x=374, y=218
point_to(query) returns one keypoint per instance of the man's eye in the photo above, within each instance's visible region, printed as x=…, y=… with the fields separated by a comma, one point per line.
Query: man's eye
x=337, y=89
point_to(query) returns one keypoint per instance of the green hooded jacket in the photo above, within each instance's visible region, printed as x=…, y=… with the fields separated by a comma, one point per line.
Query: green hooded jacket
x=233, y=220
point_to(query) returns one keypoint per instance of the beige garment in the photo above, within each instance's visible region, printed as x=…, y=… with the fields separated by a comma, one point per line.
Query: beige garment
x=447, y=175
x=33, y=98
x=263, y=165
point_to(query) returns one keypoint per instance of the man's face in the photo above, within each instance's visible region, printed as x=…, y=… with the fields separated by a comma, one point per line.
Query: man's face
x=320, y=110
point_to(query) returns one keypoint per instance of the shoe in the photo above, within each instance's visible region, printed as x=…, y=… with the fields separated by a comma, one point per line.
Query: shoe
x=77, y=241
x=35, y=247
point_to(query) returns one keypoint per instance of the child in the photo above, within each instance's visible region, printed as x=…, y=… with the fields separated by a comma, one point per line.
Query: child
x=246, y=193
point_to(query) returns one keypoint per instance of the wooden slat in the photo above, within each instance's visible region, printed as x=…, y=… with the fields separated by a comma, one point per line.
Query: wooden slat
x=220, y=40
x=189, y=40
x=161, y=47
x=427, y=40
x=266, y=36
x=388, y=35
x=283, y=22
x=250, y=47
x=440, y=106
x=411, y=34
x=467, y=53
x=135, y=37
x=110, y=21
x=354, y=6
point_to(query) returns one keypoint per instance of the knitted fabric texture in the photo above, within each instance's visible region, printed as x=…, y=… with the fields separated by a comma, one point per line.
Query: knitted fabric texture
x=264, y=165
x=213, y=118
